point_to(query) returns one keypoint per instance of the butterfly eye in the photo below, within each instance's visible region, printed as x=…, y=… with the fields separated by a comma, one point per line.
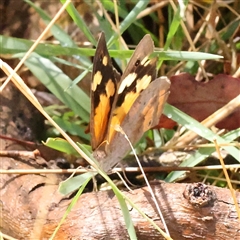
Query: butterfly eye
x=137, y=63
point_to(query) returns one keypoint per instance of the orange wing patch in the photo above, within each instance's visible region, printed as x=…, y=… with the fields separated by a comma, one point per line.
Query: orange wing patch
x=134, y=88
x=103, y=109
x=103, y=91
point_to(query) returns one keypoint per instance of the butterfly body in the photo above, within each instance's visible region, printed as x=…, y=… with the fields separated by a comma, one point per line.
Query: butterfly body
x=133, y=101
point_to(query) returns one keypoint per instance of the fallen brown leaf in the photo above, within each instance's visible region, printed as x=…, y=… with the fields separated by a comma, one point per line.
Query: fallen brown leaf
x=199, y=100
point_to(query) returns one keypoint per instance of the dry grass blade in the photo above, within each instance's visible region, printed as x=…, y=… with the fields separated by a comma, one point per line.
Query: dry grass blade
x=19, y=83
x=118, y=128
x=35, y=44
x=211, y=120
x=228, y=180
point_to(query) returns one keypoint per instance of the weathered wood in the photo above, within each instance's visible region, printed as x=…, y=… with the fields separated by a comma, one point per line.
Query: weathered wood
x=31, y=208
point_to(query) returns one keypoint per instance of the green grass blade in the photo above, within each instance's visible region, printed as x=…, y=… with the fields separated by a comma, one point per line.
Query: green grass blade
x=61, y=145
x=75, y=199
x=126, y=215
x=193, y=125
x=130, y=18
x=72, y=128
x=57, y=32
x=184, y=55
x=72, y=11
x=173, y=29
x=199, y=156
x=136, y=29
x=10, y=45
x=15, y=45
x=74, y=183
x=57, y=82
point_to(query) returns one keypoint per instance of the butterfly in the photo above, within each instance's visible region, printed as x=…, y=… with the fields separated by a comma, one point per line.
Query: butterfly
x=133, y=101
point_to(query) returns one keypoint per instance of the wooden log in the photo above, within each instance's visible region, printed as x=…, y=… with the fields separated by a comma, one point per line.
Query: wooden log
x=31, y=208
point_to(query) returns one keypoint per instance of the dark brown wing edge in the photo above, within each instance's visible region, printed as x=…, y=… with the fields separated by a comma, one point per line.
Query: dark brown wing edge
x=101, y=100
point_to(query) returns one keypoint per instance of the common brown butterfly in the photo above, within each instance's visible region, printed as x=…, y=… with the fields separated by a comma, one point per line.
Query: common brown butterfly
x=133, y=101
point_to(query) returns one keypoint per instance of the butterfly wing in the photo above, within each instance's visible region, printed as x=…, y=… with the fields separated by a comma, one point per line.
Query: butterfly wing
x=140, y=71
x=137, y=97
x=103, y=91
x=143, y=115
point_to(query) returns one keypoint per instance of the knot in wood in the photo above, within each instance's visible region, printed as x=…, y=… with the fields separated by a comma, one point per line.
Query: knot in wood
x=199, y=195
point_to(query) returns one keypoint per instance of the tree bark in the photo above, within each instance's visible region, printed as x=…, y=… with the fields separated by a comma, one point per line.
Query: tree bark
x=31, y=208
